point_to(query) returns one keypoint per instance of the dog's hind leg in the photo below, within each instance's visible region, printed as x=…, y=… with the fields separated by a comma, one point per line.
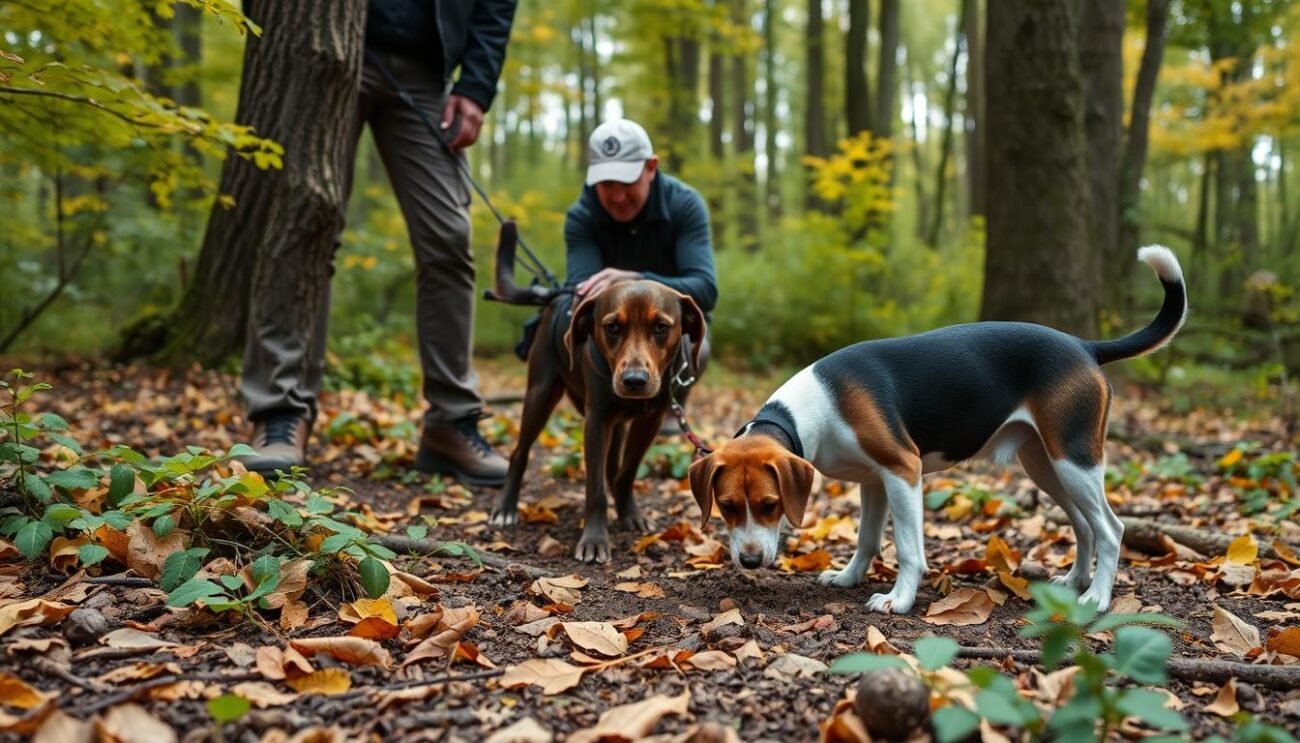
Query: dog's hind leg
x=871, y=532
x=544, y=393
x=1038, y=465
x=640, y=434
x=1087, y=485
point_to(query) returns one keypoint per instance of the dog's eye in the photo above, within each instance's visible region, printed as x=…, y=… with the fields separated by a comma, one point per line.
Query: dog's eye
x=767, y=508
x=611, y=328
x=661, y=328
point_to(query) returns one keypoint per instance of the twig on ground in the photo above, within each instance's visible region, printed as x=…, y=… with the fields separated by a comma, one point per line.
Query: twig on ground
x=127, y=695
x=412, y=683
x=435, y=548
x=1185, y=669
x=51, y=668
x=128, y=581
x=1146, y=535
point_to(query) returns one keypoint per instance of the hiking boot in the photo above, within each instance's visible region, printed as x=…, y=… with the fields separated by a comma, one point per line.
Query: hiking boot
x=459, y=450
x=281, y=443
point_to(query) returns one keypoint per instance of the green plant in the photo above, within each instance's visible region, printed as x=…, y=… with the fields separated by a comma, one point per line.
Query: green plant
x=1098, y=704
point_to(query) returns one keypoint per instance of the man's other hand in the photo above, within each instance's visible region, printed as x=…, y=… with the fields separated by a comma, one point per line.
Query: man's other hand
x=602, y=281
x=466, y=116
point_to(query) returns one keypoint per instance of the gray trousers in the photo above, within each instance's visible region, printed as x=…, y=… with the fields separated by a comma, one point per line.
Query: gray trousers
x=282, y=373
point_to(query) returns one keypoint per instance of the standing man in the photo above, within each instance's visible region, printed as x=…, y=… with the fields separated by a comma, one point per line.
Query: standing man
x=421, y=43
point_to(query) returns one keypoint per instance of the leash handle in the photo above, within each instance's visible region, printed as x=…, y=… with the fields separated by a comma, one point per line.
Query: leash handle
x=538, y=268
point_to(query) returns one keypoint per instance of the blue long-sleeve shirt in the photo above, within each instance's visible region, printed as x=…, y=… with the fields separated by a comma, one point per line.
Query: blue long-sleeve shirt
x=668, y=242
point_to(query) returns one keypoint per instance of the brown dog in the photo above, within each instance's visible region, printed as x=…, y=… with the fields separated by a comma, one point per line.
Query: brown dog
x=616, y=363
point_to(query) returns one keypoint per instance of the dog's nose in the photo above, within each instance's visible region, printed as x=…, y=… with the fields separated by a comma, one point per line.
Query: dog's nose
x=636, y=379
x=749, y=562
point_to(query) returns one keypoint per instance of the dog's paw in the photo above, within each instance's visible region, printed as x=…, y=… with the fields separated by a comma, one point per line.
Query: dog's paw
x=845, y=578
x=504, y=519
x=592, y=550
x=1074, y=580
x=635, y=522
x=890, y=603
x=1097, y=595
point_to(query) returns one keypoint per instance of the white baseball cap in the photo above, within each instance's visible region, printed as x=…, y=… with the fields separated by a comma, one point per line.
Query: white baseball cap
x=618, y=150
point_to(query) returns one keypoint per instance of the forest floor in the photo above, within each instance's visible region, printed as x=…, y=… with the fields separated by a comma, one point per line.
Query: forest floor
x=708, y=652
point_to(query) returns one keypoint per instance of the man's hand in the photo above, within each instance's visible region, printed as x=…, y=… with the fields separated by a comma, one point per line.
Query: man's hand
x=602, y=281
x=470, y=116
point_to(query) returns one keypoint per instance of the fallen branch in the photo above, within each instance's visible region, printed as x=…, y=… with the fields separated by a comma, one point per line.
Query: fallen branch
x=1146, y=535
x=128, y=581
x=1186, y=669
x=127, y=695
x=433, y=548
x=50, y=668
x=412, y=683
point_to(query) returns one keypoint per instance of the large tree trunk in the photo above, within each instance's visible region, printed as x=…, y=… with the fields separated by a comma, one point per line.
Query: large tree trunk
x=886, y=70
x=742, y=137
x=1135, y=153
x=1036, y=262
x=717, y=125
x=857, y=89
x=299, y=88
x=974, y=111
x=815, y=84
x=917, y=121
x=771, y=123
x=1101, y=37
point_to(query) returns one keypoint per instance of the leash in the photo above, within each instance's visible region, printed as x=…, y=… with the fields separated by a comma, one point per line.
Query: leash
x=678, y=383
x=538, y=269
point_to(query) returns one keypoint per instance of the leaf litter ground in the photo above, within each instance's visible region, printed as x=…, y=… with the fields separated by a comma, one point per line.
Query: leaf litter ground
x=669, y=637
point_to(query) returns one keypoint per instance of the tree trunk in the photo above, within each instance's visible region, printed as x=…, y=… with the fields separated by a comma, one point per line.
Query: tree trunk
x=815, y=83
x=887, y=70
x=771, y=124
x=742, y=137
x=857, y=89
x=1036, y=262
x=1135, y=151
x=305, y=67
x=918, y=166
x=682, y=56
x=974, y=111
x=717, y=125
x=1101, y=37
x=945, y=148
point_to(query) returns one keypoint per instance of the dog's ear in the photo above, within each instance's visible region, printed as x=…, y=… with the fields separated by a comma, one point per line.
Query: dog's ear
x=704, y=479
x=580, y=326
x=692, y=325
x=794, y=478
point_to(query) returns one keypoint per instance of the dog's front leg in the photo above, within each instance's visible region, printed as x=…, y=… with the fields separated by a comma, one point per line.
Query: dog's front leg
x=594, y=544
x=871, y=529
x=640, y=435
x=905, y=506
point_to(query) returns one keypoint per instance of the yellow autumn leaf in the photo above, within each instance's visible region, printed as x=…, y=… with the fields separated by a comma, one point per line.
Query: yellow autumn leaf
x=327, y=681
x=1244, y=550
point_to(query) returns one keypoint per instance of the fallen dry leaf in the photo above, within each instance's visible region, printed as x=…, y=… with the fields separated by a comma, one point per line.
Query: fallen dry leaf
x=634, y=721
x=877, y=643
x=560, y=590
x=357, y=651
x=749, y=650
x=1000, y=557
x=815, y=561
x=277, y=664
x=730, y=616
x=712, y=660
x=790, y=665
x=525, y=730
x=1243, y=550
x=962, y=607
x=844, y=726
x=816, y=624
x=131, y=723
x=327, y=681
x=293, y=582
x=375, y=619
x=62, y=728
x=643, y=590
x=14, y=692
x=134, y=638
x=146, y=553
x=451, y=627
x=1287, y=641
x=1225, y=703
x=551, y=674
x=262, y=694
x=599, y=637
x=1232, y=634
x=32, y=612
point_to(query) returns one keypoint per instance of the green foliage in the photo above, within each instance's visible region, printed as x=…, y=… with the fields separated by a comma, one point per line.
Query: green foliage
x=216, y=510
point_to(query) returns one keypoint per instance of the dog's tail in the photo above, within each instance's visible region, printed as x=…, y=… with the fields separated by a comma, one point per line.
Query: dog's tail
x=1166, y=323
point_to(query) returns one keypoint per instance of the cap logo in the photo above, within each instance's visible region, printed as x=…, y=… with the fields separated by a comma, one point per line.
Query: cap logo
x=610, y=146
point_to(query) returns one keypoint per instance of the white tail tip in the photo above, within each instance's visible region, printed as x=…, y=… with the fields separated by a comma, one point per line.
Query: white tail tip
x=1163, y=261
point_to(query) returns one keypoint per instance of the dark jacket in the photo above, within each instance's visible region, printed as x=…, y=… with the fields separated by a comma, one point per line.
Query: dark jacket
x=471, y=35
x=668, y=242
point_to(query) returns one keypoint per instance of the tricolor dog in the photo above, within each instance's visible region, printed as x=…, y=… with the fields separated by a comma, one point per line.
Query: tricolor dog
x=885, y=412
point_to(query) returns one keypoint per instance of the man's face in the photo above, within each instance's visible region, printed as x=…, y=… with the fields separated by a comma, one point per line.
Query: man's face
x=623, y=201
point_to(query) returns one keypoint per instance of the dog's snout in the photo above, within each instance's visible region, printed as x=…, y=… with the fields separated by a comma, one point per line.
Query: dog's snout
x=750, y=562
x=636, y=379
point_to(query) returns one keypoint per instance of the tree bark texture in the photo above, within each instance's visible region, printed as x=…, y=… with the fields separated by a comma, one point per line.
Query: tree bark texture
x=1101, y=44
x=857, y=88
x=815, y=84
